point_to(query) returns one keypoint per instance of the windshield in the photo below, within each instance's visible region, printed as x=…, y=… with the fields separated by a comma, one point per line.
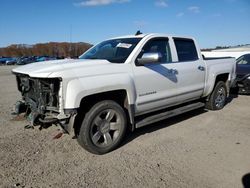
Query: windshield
x=115, y=50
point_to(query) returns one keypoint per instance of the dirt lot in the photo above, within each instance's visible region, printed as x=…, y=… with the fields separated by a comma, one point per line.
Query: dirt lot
x=197, y=149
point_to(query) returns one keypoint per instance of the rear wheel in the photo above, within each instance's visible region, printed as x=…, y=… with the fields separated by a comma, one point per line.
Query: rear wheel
x=218, y=97
x=103, y=127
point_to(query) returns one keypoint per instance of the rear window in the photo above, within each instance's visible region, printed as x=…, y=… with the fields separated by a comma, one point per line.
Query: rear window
x=186, y=49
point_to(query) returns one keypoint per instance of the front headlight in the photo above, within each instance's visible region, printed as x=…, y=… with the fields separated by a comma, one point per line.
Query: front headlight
x=248, y=77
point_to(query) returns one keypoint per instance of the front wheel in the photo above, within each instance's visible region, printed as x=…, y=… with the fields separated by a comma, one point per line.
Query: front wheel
x=103, y=127
x=217, y=99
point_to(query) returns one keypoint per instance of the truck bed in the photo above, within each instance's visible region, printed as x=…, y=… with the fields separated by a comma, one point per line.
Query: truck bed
x=218, y=66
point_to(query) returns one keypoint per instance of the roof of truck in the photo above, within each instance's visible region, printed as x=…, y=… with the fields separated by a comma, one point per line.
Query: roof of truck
x=151, y=34
x=131, y=36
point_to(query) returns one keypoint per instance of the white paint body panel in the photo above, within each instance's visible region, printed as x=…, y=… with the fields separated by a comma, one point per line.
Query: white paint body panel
x=81, y=78
x=217, y=67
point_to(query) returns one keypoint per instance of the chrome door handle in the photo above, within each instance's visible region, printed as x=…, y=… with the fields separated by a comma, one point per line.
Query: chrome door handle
x=201, y=68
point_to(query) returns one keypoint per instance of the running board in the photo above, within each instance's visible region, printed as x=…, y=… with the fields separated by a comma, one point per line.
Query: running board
x=168, y=114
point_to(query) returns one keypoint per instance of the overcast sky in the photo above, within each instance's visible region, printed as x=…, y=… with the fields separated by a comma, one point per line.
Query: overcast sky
x=211, y=22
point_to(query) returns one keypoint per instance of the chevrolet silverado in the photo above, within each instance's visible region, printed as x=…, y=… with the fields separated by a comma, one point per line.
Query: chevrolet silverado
x=122, y=83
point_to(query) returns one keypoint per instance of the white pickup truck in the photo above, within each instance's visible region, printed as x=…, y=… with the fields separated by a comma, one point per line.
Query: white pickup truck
x=122, y=83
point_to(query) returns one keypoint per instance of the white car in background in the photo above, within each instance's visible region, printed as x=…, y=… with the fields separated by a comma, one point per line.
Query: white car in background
x=218, y=54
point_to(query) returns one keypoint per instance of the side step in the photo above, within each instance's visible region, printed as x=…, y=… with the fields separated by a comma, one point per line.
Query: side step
x=164, y=115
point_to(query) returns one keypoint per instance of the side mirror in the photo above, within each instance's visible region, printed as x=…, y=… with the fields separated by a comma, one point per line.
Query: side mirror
x=149, y=58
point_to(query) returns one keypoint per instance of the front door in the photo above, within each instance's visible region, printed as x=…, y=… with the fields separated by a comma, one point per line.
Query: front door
x=155, y=82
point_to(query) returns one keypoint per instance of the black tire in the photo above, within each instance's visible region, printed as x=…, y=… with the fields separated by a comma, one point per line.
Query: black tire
x=217, y=99
x=103, y=127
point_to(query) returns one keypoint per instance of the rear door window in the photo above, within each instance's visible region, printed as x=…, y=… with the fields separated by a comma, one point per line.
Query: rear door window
x=186, y=49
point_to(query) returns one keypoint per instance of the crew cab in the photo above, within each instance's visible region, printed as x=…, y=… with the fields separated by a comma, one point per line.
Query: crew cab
x=122, y=83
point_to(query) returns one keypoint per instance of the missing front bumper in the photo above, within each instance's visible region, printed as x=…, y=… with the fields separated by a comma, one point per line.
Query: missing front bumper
x=64, y=120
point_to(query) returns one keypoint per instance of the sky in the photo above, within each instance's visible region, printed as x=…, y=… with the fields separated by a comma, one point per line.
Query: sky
x=212, y=22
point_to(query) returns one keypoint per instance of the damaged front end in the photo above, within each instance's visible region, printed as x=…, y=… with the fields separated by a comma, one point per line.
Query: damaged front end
x=42, y=102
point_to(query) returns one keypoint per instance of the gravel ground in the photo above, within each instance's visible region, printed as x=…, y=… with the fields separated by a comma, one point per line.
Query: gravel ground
x=197, y=149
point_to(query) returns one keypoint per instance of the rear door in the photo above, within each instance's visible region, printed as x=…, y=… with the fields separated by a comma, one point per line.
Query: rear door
x=190, y=70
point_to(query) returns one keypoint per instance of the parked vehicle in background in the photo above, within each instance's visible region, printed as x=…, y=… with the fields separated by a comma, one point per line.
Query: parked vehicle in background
x=124, y=82
x=243, y=74
x=45, y=58
x=26, y=60
x=11, y=61
x=236, y=55
x=4, y=59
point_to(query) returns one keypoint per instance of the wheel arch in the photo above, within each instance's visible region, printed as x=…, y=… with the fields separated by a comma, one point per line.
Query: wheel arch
x=225, y=78
x=213, y=80
x=120, y=96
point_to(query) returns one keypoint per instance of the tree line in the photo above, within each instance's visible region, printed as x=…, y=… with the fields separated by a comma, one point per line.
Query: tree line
x=53, y=49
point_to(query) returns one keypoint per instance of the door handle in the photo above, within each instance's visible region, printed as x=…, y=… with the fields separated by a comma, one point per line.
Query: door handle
x=172, y=71
x=201, y=68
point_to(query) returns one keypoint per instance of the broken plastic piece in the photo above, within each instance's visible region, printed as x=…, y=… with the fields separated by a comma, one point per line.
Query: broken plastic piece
x=29, y=127
x=59, y=135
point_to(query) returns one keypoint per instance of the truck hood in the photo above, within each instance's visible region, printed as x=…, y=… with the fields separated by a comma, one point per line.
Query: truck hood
x=47, y=68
